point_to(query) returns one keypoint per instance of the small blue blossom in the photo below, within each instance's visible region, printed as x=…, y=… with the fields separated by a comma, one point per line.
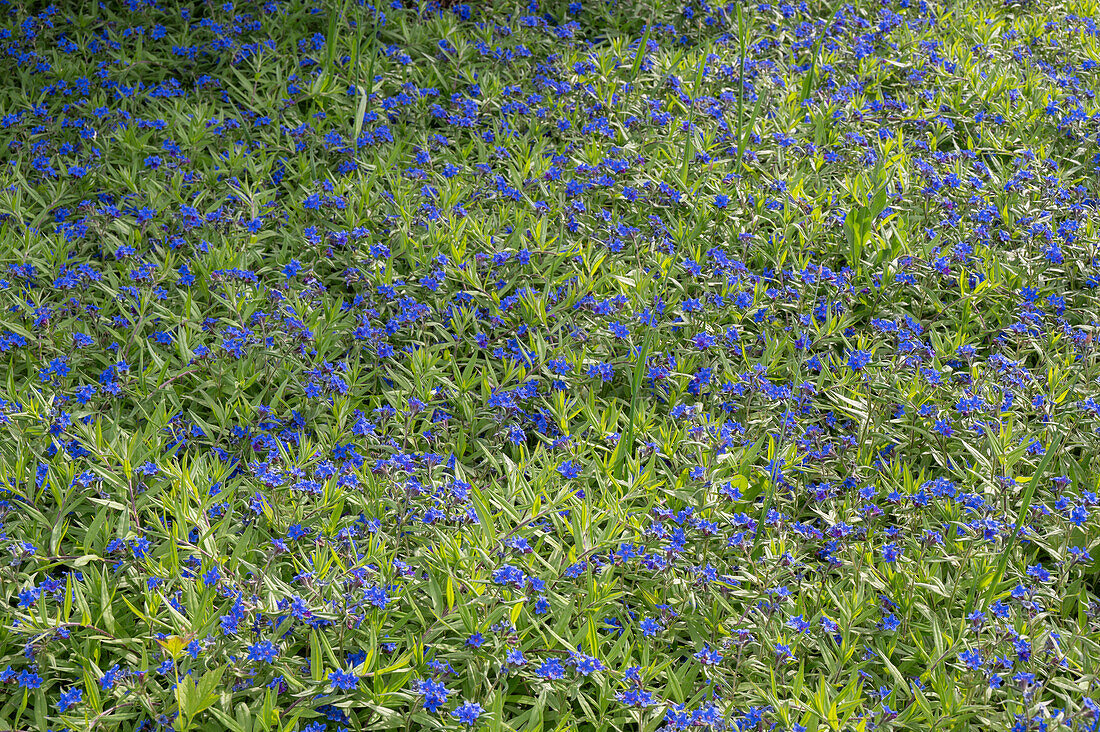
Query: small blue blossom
x=467, y=713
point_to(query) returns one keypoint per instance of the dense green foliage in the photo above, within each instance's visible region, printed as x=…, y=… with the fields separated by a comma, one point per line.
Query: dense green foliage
x=568, y=366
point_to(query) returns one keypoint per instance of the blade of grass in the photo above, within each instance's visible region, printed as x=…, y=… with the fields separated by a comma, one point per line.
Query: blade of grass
x=808, y=82
x=745, y=133
x=1025, y=506
x=640, y=55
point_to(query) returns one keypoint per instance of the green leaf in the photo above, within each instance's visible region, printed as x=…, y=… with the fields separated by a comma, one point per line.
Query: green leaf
x=1021, y=517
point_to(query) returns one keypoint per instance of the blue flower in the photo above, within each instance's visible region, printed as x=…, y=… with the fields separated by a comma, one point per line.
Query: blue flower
x=584, y=664
x=972, y=659
x=891, y=552
x=1079, y=555
x=69, y=698
x=602, y=371
x=345, y=681
x=551, y=669
x=858, y=360
x=467, y=713
x=29, y=596
x=569, y=469
x=1038, y=572
x=29, y=680
x=434, y=692
x=639, y=698
x=109, y=679
x=798, y=624
x=73, y=696
x=265, y=651
x=708, y=656
x=376, y=596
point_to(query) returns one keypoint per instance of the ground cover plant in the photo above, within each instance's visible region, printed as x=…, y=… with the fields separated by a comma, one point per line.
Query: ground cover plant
x=592, y=365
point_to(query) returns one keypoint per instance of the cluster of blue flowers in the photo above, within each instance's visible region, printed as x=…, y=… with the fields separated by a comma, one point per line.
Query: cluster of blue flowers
x=431, y=366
